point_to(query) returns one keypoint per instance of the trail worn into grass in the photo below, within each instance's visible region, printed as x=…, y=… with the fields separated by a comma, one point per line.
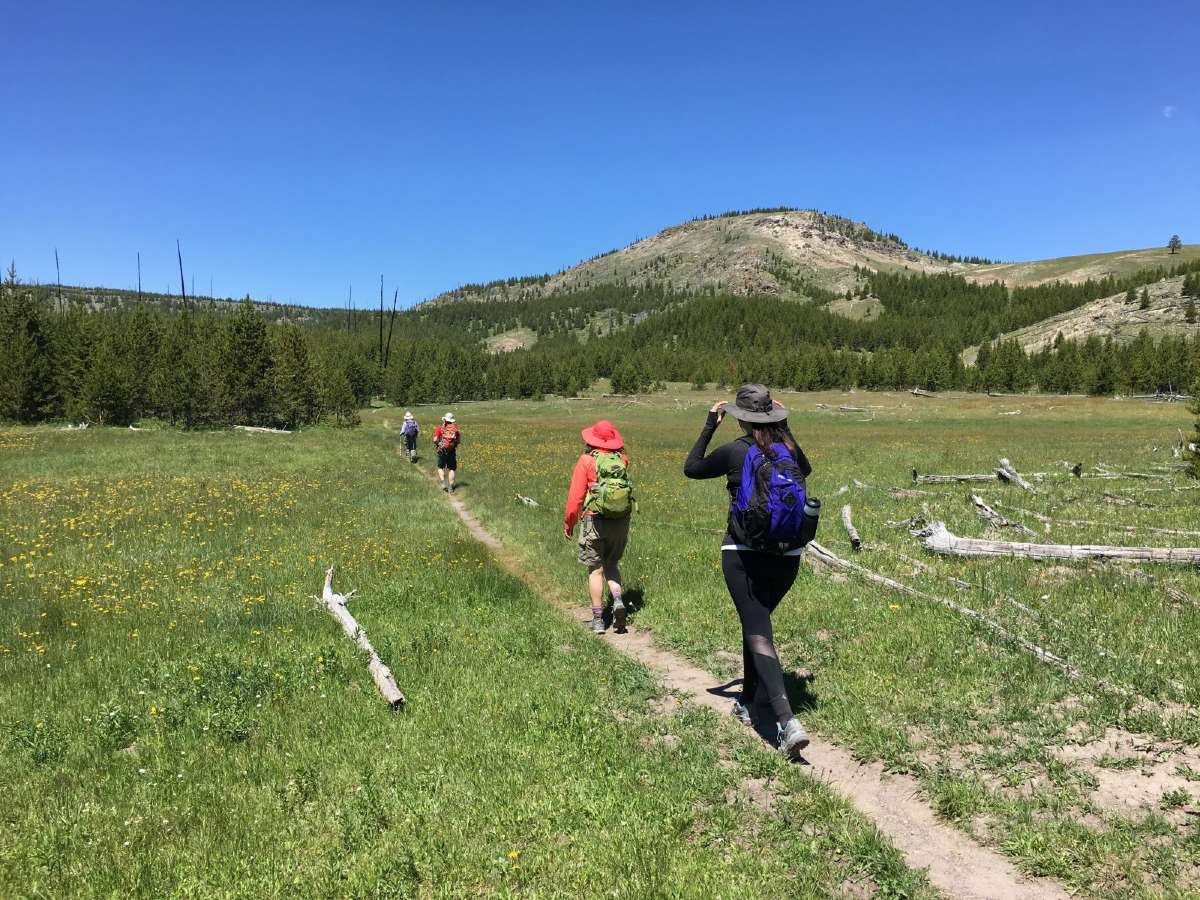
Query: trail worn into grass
x=956, y=865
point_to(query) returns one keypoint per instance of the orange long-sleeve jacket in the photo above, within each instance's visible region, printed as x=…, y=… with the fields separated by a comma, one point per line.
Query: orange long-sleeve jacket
x=583, y=479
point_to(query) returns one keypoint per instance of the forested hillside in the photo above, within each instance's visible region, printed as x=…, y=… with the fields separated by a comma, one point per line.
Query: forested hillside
x=116, y=357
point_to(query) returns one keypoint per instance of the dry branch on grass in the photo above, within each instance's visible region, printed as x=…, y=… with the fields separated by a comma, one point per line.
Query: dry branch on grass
x=380, y=673
x=1181, y=597
x=851, y=531
x=949, y=479
x=939, y=539
x=995, y=518
x=820, y=554
x=258, y=429
x=1127, y=529
x=1006, y=472
x=918, y=392
x=527, y=501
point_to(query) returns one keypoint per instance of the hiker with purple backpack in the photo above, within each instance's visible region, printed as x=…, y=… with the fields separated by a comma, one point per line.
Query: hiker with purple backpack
x=770, y=520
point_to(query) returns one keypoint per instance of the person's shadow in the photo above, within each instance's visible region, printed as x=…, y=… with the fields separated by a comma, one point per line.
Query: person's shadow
x=634, y=598
x=761, y=717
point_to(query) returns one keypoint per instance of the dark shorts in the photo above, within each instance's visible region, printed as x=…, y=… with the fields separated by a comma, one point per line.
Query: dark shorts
x=448, y=459
x=602, y=541
x=410, y=442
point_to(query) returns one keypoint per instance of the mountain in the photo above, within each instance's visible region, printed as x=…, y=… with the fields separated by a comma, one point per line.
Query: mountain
x=778, y=252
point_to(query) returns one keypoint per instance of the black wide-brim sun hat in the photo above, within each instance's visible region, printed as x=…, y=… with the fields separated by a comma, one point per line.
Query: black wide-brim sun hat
x=754, y=404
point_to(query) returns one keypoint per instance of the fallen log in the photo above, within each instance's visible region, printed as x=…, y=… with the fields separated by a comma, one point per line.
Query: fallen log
x=528, y=501
x=1006, y=472
x=380, y=673
x=258, y=429
x=852, y=409
x=919, y=392
x=820, y=554
x=851, y=531
x=948, y=479
x=995, y=518
x=939, y=539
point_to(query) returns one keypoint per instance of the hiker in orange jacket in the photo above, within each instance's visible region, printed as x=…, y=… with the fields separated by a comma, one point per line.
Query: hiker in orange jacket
x=446, y=438
x=600, y=501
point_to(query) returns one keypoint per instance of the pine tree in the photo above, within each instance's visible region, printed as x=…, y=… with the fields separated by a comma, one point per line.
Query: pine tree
x=1131, y=295
x=296, y=398
x=1144, y=302
x=1174, y=244
x=1189, y=311
x=246, y=368
x=27, y=391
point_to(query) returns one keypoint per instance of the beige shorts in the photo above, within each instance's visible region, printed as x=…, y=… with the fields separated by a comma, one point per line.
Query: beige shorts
x=602, y=541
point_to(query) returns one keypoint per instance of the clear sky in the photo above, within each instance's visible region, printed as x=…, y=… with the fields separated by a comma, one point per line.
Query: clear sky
x=294, y=148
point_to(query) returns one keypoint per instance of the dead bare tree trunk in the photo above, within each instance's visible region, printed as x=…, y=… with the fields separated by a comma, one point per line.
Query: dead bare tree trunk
x=939, y=539
x=380, y=673
x=387, y=352
x=1006, y=472
x=851, y=531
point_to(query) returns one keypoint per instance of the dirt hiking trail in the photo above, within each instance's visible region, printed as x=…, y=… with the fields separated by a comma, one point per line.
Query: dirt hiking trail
x=955, y=864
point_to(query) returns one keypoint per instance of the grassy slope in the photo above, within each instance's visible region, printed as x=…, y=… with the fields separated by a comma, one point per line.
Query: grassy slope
x=177, y=718
x=1080, y=268
x=981, y=724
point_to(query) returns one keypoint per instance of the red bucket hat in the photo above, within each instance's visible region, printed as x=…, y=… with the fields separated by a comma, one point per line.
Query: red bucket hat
x=603, y=436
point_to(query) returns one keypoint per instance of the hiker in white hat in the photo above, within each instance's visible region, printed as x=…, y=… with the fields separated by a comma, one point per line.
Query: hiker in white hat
x=410, y=429
x=446, y=438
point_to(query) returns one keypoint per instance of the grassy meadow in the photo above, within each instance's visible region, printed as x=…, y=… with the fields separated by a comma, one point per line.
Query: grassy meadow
x=178, y=718
x=1092, y=780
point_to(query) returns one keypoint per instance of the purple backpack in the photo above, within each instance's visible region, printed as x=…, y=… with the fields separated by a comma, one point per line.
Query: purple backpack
x=770, y=501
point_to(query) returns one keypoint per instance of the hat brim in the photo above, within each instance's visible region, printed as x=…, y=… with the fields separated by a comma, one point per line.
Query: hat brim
x=776, y=414
x=589, y=438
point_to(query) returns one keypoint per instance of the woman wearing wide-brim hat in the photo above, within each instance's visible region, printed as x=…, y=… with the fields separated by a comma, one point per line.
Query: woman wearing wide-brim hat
x=600, y=501
x=757, y=579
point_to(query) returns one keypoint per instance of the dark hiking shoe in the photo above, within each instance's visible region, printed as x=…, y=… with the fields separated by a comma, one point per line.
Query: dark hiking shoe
x=741, y=712
x=597, y=625
x=792, y=739
x=619, y=616
x=446, y=488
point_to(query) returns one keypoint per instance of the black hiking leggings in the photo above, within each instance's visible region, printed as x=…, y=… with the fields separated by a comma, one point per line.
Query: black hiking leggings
x=757, y=582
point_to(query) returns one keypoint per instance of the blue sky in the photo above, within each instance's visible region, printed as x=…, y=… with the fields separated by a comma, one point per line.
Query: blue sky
x=294, y=148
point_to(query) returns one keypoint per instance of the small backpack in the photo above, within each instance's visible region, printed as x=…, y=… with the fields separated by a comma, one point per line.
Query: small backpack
x=769, y=504
x=612, y=494
x=449, y=438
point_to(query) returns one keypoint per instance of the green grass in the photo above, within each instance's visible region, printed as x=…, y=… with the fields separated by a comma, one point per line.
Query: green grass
x=1088, y=265
x=905, y=681
x=179, y=718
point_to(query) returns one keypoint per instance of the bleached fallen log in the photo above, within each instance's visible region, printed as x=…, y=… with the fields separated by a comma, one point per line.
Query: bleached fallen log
x=919, y=392
x=995, y=518
x=527, y=501
x=939, y=539
x=1006, y=472
x=135, y=428
x=906, y=493
x=851, y=531
x=820, y=554
x=948, y=479
x=79, y=427
x=258, y=429
x=380, y=673
x=852, y=409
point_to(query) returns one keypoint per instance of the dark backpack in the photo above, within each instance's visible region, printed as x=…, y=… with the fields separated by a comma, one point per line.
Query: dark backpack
x=769, y=505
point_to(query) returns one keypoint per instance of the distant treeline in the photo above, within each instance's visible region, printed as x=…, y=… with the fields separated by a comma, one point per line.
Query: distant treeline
x=201, y=367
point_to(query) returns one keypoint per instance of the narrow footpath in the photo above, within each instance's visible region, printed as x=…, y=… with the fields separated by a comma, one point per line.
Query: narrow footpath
x=956, y=865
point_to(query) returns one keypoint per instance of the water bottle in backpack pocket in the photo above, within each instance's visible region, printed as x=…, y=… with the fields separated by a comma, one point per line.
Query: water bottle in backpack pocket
x=770, y=505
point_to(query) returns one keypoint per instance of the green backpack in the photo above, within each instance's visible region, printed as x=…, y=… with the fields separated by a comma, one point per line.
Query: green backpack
x=612, y=494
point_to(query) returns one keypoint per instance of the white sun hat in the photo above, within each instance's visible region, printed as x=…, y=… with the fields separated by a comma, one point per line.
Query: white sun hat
x=448, y=417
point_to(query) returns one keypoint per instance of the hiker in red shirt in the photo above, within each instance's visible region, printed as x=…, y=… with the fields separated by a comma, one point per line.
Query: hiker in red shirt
x=600, y=501
x=446, y=438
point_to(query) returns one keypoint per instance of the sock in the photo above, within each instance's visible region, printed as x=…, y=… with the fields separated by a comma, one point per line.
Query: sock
x=616, y=597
